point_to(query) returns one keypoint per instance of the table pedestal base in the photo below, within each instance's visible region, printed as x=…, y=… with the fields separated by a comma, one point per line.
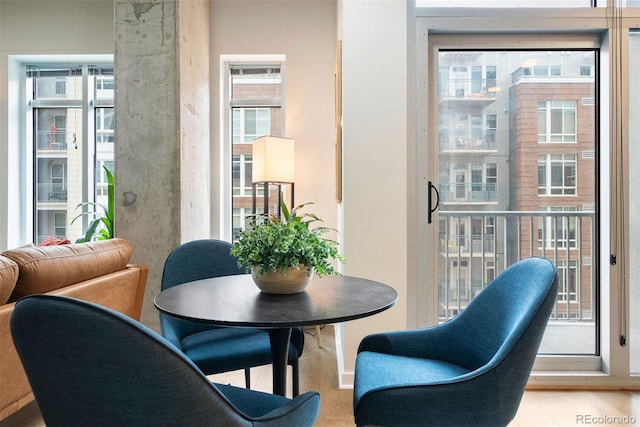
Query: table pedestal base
x=280, y=350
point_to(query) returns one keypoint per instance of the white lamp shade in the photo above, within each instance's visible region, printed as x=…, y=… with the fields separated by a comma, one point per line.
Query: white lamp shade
x=273, y=159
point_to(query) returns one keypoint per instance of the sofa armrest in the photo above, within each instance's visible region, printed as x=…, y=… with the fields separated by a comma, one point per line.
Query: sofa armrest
x=142, y=284
x=8, y=278
x=45, y=268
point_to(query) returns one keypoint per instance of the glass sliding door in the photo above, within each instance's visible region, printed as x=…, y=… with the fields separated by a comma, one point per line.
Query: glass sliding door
x=634, y=202
x=517, y=177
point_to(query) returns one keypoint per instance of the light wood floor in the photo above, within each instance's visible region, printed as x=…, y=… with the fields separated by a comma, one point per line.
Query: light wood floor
x=318, y=372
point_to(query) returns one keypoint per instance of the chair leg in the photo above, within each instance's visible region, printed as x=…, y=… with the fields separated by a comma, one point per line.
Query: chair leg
x=247, y=377
x=318, y=337
x=296, y=378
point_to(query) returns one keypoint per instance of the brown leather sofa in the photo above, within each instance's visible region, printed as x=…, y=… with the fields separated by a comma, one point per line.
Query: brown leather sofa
x=96, y=271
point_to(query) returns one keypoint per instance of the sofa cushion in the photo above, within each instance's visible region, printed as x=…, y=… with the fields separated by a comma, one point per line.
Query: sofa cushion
x=45, y=268
x=8, y=277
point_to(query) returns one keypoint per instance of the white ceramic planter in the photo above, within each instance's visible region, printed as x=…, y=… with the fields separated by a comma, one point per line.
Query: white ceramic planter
x=290, y=281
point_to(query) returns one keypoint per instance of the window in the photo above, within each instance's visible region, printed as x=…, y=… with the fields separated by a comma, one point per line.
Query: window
x=525, y=4
x=61, y=87
x=557, y=230
x=102, y=185
x=475, y=182
x=544, y=70
x=60, y=223
x=491, y=213
x=250, y=123
x=489, y=138
x=105, y=126
x=62, y=100
x=255, y=110
x=586, y=70
x=557, y=174
x=491, y=75
x=241, y=169
x=505, y=3
x=567, y=288
x=634, y=199
x=579, y=207
x=557, y=121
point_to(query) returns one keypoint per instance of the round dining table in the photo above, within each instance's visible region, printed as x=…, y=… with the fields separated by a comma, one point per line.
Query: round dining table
x=235, y=301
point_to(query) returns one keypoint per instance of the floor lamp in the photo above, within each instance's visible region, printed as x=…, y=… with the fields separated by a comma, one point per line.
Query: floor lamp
x=273, y=169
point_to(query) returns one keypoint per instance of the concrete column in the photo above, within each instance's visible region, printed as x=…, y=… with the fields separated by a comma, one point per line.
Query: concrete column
x=162, y=130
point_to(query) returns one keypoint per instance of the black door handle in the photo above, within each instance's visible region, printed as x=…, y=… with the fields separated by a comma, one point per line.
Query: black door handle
x=430, y=209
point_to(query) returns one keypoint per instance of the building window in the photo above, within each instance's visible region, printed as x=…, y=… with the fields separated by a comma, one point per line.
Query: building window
x=470, y=182
x=60, y=224
x=557, y=121
x=557, y=230
x=567, y=286
x=544, y=70
x=250, y=123
x=241, y=170
x=557, y=175
x=102, y=185
x=256, y=109
x=105, y=126
x=61, y=87
x=68, y=156
x=586, y=70
x=505, y=3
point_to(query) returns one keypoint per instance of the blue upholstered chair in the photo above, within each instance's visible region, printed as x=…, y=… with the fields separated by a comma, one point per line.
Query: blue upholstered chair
x=471, y=370
x=218, y=349
x=91, y=366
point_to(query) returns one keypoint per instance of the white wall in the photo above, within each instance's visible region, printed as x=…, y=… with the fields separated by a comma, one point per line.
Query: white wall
x=375, y=158
x=304, y=32
x=38, y=27
x=373, y=223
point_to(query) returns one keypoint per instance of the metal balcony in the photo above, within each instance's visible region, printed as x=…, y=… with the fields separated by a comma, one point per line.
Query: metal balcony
x=474, y=247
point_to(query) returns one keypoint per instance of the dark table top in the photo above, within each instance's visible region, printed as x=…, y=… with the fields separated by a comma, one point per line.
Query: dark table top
x=236, y=301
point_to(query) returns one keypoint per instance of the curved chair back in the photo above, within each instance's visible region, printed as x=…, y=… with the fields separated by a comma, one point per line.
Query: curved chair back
x=513, y=308
x=199, y=259
x=89, y=365
x=207, y=258
x=471, y=370
x=194, y=260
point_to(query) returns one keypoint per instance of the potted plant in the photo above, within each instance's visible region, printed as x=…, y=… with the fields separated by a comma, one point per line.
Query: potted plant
x=101, y=226
x=282, y=254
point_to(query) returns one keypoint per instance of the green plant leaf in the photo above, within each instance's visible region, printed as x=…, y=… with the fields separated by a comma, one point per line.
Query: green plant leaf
x=276, y=244
x=102, y=225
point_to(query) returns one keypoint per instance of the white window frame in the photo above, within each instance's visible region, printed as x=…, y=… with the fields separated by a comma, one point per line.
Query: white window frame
x=564, y=280
x=548, y=161
x=17, y=164
x=548, y=228
x=244, y=188
x=222, y=205
x=581, y=27
x=551, y=106
x=243, y=136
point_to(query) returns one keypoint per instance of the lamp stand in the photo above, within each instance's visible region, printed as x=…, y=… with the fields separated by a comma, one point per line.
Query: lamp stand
x=266, y=186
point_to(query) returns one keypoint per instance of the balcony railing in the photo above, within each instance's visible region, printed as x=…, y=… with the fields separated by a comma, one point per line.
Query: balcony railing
x=469, y=89
x=467, y=140
x=474, y=247
x=52, y=193
x=468, y=192
x=51, y=140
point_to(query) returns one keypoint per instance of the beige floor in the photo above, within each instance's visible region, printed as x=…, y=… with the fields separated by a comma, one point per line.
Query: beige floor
x=318, y=372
